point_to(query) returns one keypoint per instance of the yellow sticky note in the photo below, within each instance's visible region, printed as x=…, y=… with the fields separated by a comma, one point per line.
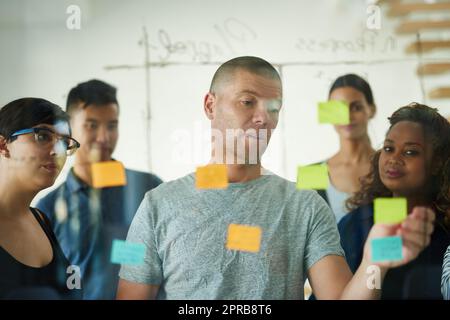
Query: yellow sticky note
x=390, y=210
x=212, y=176
x=313, y=177
x=108, y=174
x=243, y=238
x=335, y=112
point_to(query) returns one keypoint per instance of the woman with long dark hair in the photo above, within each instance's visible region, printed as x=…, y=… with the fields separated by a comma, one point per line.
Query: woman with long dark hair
x=352, y=161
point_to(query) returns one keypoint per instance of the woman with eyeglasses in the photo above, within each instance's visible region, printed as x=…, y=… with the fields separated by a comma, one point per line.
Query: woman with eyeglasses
x=34, y=144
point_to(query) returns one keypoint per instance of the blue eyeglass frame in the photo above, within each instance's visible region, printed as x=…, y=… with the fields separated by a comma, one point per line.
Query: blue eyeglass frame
x=33, y=130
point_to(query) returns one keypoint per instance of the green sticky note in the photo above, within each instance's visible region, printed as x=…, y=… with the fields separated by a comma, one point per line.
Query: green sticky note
x=390, y=210
x=312, y=177
x=128, y=253
x=335, y=112
x=386, y=249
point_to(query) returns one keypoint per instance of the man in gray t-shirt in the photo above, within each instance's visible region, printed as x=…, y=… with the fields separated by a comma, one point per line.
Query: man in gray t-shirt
x=186, y=230
x=185, y=239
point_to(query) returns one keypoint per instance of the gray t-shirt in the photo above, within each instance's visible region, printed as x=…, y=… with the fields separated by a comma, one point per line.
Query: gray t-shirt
x=185, y=230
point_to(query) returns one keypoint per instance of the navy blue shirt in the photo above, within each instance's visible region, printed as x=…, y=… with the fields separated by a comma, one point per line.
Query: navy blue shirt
x=87, y=220
x=419, y=279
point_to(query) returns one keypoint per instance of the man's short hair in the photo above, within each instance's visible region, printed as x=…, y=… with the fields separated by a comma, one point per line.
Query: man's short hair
x=251, y=64
x=93, y=92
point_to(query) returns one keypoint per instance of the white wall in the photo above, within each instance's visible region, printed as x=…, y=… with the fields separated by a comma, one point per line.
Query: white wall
x=312, y=42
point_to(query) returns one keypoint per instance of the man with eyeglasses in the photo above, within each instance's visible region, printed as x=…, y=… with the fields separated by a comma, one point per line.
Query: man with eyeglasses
x=86, y=219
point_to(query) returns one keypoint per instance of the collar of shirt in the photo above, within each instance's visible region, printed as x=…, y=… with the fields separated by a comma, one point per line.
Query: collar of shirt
x=74, y=183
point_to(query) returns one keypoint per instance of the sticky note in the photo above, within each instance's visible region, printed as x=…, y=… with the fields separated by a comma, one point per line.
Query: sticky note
x=312, y=177
x=212, y=176
x=128, y=253
x=390, y=210
x=108, y=174
x=335, y=112
x=386, y=249
x=244, y=238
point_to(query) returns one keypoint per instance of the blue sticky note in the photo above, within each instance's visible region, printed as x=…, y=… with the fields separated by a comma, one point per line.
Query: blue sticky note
x=128, y=253
x=386, y=249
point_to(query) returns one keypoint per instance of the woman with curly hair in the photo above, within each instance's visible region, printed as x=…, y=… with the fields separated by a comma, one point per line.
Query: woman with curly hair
x=414, y=163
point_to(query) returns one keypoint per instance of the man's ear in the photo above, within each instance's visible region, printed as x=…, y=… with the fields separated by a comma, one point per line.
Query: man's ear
x=209, y=105
x=373, y=111
x=4, y=147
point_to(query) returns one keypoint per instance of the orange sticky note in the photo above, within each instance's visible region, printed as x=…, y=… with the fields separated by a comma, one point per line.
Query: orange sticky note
x=212, y=176
x=108, y=174
x=244, y=238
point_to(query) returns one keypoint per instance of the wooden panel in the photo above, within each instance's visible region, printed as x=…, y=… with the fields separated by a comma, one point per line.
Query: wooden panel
x=414, y=26
x=439, y=93
x=427, y=46
x=400, y=9
x=433, y=68
x=387, y=1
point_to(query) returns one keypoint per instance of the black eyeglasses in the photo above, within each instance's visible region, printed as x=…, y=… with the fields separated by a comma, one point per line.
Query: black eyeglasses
x=46, y=137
